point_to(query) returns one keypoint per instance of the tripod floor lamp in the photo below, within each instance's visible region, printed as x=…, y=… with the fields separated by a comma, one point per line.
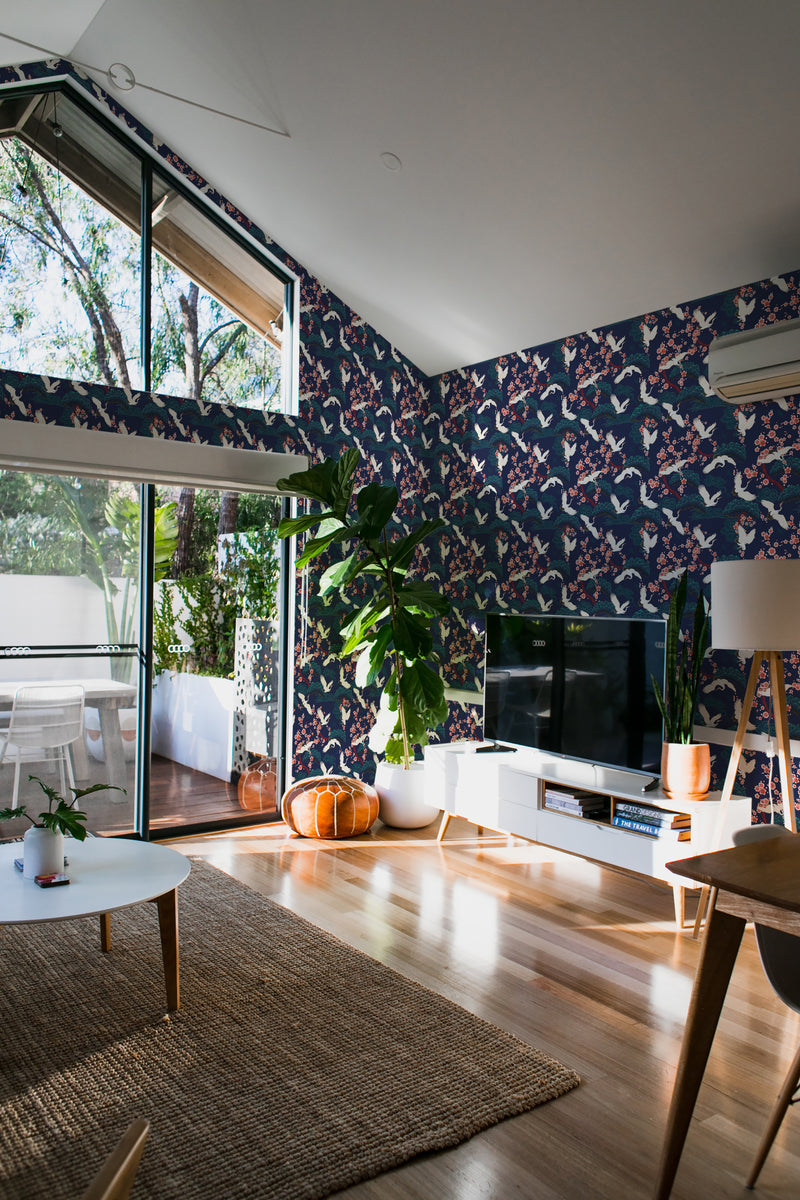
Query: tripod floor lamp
x=755, y=605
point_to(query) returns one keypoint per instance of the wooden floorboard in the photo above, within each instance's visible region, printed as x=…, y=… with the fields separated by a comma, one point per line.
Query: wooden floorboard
x=583, y=962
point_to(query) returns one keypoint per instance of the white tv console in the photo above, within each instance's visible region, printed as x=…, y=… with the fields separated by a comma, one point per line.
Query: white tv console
x=504, y=790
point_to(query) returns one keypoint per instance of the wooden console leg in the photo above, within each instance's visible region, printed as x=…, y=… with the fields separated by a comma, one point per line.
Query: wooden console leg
x=443, y=827
x=168, y=926
x=105, y=932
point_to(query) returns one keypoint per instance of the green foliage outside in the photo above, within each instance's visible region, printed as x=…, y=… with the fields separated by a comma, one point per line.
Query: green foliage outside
x=200, y=609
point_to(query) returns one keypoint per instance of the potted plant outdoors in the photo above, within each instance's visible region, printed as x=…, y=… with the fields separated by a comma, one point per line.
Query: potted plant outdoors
x=390, y=629
x=685, y=764
x=43, y=843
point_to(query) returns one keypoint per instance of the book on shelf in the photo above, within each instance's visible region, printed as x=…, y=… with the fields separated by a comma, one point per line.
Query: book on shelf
x=677, y=834
x=578, y=804
x=651, y=815
x=560, y=793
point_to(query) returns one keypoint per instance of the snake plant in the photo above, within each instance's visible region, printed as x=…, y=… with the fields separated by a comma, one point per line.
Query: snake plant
x=684, y=661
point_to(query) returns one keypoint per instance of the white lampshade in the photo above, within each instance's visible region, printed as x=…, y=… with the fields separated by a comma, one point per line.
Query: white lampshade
x=755, y=604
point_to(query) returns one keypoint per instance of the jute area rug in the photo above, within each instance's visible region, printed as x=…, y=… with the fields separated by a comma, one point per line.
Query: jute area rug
x=296, y=1066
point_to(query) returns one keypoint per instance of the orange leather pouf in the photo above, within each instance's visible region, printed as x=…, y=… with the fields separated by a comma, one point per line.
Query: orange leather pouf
x=258, y=786
x=330, y=806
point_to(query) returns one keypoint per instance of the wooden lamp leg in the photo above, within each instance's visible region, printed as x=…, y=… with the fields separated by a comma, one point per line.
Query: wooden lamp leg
x=778, y=688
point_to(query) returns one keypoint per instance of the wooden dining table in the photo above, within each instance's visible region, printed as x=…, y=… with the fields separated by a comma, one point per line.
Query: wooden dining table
x=107, y=696
x=757, y=881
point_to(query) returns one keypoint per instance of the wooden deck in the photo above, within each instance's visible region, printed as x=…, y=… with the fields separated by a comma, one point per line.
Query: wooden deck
x=179, y=798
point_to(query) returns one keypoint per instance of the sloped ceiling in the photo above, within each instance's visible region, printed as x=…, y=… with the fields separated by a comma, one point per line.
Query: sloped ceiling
x=565, y=163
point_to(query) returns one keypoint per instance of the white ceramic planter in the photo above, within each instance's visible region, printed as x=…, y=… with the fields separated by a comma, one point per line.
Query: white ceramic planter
x=402, y=796
x=42, y=852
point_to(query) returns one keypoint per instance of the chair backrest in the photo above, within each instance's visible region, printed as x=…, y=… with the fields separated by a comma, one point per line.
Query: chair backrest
x=115, y=1178
x=779, y=951
x=46, y=715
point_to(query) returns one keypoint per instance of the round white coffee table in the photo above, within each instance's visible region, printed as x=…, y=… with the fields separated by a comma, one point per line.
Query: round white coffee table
x=105, y=874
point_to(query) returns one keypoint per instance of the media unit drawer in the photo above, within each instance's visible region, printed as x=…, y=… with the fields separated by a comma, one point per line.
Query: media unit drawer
x=610, y=844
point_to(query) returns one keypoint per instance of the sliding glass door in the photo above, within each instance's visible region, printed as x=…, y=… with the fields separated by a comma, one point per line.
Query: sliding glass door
x=215, y=662
x=69, y=595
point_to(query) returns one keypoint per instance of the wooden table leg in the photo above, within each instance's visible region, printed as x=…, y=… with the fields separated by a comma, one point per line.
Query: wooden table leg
x=105, y=932
x=113, y=747
x=168, y=925
x=723, y=936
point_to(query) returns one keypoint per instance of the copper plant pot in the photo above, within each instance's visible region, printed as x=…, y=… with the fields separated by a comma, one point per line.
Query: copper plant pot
x=685, y=770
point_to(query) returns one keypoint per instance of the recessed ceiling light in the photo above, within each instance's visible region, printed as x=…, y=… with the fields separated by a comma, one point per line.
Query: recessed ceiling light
x=391, y=161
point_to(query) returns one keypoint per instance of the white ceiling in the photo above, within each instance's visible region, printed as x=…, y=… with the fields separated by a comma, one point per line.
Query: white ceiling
x=566, y=163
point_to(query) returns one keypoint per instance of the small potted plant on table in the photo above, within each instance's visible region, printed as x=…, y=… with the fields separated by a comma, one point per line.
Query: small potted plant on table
x=43, y=843
x=390, y=629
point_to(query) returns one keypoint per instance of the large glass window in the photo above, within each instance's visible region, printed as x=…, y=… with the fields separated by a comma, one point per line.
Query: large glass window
x=82, y=291
x=70, y=270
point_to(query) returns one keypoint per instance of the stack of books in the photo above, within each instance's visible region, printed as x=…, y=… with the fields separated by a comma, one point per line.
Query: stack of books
x=655, y=822
x=578, y=803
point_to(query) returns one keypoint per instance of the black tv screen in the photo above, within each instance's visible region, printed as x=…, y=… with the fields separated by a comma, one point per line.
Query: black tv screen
x=576, y=686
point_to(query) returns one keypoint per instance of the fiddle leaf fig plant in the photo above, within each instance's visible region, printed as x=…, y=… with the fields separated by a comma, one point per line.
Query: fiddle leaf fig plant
x=64, y=817
x=682, y=670
x=390, y=628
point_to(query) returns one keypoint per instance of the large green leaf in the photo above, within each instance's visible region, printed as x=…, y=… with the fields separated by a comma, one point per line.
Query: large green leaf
x=317, y=483
x=342, y=481
x=423, y=690
x=402, y=551
x=416, y=594
x=411, y=635
x=375, y=503
x=360, y=624
x=291, y=525
x=336, y=574
x=377, y=653
x=315, y=546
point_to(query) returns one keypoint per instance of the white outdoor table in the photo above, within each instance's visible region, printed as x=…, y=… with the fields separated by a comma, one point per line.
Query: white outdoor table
x=107, y=696
x=105, y=874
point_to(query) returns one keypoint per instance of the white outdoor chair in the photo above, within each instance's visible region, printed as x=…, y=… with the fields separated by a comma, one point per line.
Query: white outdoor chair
x=45, y=720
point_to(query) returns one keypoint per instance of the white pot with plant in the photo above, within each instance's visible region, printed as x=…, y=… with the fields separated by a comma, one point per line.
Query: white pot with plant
x=390, y=629
x=43, y=843
x=685, y=764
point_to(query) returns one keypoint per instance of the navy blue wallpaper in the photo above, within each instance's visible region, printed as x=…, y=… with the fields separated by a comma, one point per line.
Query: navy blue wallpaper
x=596, y=469
x=579, y=476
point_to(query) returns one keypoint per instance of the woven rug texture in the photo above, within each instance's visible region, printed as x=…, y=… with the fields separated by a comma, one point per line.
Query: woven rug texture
x=297, y=1066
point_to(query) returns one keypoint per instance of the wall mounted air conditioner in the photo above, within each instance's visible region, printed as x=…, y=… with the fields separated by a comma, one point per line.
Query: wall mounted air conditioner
x=761, y=364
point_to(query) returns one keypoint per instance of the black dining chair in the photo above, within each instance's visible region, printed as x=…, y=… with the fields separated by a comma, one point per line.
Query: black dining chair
x=780, y=957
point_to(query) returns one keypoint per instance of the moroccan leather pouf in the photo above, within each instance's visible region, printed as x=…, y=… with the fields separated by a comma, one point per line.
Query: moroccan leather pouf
x=330, y=806
x=258, y=786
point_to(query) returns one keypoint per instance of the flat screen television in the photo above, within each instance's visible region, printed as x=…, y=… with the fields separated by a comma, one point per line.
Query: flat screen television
x=576, y=686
